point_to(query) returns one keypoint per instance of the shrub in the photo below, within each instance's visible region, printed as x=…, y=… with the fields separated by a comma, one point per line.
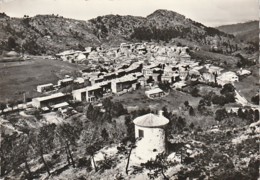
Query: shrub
x=195, y=92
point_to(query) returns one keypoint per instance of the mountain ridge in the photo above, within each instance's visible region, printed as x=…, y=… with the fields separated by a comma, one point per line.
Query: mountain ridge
x=247, y=31
x=49, y=34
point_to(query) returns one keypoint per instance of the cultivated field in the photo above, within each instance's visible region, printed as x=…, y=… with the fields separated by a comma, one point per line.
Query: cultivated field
x=19, y=77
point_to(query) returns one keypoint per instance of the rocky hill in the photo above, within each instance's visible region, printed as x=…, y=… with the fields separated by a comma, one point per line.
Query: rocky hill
x=49, y=34
x=248, y=31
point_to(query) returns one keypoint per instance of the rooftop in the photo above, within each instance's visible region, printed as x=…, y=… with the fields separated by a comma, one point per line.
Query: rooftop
x=153, y=91
x=66, y=80
x=93, y=87
x=60, y=105
x=45, y=85
x=126, y=78
x=151, y=120
x=56, y=95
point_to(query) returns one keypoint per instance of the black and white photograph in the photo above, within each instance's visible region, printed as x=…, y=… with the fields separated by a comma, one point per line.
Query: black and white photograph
x=129, y=90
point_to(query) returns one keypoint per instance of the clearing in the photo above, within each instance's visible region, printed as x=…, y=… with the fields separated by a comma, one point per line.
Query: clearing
x=172, y=101
x=24, y=76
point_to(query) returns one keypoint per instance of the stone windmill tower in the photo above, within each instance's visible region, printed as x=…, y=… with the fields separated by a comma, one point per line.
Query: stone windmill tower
x=150, y=130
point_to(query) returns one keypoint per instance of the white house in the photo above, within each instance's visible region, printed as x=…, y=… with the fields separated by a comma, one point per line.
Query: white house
x=89, y=94
x=123, y=83
x=65, y=82
x=179, y=85
x=150, y=130
x=242, y=72
x=154, y=93
x=79, y=80
x=50, y=100
x=44, y=87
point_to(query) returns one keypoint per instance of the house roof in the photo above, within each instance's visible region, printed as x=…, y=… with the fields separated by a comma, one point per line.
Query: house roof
x=129, y=77
x=60, y=105
x=93, y=87
x=66, y=80
x=151, y=120
x=45, y=85
x=52, y=96
x=153, y=91
x=227, y=75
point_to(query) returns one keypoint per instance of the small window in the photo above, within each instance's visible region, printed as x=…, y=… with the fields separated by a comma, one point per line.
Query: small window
x=141, y=133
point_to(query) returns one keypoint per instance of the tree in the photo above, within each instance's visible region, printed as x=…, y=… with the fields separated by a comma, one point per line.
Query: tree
x=2, y=107
x=181, y=123
x=240, y=113
x=230, y=97
x=37, y=114
x=90, y=150
x=191, y=111
x=255, y=99
x=220, y=114
x=68, y=89
x=128, y=157
x=186, y=103
x=165, y=112
x=220, y=100
x=14, y=154
x=192, y=126
x=159, y=165
x=195, y=92
x=129, y=126
x=164, y=86
x=107, y=104
x=11, y=104
x=90, y=111
x=42, y=142
x=256, y=115
x=201, y=106
x=104, y=134
x=118, y=109
x=250, y=116
x=68, y=136
x=7, y=153
x=11, y=43
x=227, y=88
x=23, y=150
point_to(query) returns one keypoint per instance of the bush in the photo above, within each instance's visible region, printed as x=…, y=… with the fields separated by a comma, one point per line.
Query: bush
x=255, y=99
x=221, y=114
x=84, y=162
x=195, y=92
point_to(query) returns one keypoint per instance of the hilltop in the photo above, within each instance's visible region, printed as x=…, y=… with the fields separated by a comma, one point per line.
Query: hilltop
x=50, y=34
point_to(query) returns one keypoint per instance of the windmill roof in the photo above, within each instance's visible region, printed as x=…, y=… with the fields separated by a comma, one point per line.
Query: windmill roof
x=151, y=120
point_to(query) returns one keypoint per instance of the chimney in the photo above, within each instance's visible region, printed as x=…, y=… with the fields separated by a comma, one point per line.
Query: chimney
x=160, y=112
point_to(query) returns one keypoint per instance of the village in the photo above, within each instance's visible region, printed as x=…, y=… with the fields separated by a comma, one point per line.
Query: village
x=138, y=96
x=116, y=71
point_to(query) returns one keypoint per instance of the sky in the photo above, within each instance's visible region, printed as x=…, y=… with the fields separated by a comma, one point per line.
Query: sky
x=209, y=12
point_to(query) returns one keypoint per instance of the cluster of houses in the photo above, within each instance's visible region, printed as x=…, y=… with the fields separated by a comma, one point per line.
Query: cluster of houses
x=109, y=58
x=171, y=65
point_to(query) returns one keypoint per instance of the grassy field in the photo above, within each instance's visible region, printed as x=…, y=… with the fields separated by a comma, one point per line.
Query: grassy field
x=171, y=101
x=215, y=58
x=174, y=102
x=249, y=85
x=17, y=77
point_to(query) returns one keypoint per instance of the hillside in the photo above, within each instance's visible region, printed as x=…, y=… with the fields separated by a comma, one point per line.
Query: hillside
x=49, y=34
x=248, y=31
